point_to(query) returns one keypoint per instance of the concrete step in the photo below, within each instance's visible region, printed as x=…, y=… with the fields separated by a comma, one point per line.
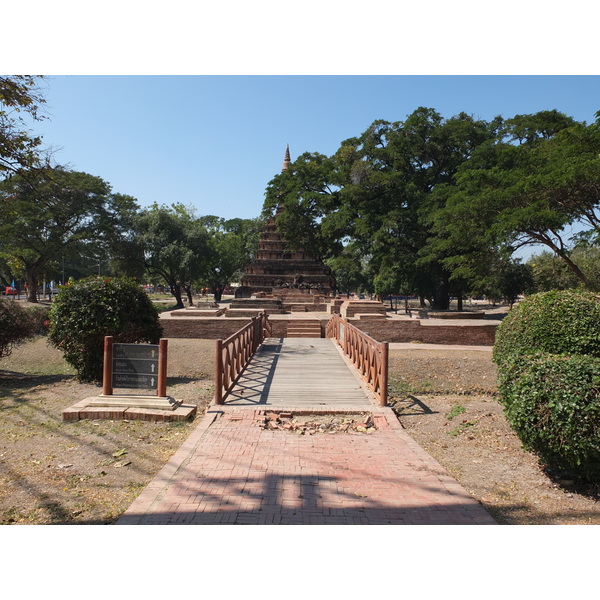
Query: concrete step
x=304, y=335
x=306, y=329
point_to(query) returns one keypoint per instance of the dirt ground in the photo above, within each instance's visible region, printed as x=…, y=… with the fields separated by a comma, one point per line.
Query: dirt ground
x=89, y=472
x=53, y=471
x=446, y=401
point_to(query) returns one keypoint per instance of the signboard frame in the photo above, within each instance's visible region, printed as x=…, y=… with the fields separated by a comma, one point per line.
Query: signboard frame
x=135, y=366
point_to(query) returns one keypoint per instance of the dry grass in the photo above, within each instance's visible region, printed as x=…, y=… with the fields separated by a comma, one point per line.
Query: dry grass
x=86, y=471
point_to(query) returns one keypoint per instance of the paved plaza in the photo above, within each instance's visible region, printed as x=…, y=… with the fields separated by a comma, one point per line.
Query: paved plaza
x=231, y=470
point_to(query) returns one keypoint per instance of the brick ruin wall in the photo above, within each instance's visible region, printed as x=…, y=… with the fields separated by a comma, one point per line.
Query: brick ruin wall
x=415, y=331
x=381, y=329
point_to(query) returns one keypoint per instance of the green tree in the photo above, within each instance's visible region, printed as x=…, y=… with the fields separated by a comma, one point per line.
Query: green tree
x=54, y=212
x=550, y=272
x=231, y=247
x=300, y=198
x=19, y=96
x=514, y=279
x=527, y=187
x=174, y=246
x=349, y=270
x=375, y=192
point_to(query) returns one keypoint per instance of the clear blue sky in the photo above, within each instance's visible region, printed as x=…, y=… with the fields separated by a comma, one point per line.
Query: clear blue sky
x=214, y=142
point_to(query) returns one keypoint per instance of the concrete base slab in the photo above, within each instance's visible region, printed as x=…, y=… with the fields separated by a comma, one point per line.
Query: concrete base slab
x=160, y=402
x=125, y=408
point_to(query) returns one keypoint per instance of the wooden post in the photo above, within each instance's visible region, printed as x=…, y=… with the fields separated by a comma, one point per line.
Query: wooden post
x=107, y=388
x=384, y=374
x=254, y=333
x=219, y=372
x=161, y=390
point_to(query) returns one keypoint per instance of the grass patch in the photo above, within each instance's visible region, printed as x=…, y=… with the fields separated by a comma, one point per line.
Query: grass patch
x=462, y=428
x=26, y=359
x=456, y=410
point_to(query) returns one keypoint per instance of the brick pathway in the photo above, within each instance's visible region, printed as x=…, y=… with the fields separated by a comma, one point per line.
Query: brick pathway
x=231, y=471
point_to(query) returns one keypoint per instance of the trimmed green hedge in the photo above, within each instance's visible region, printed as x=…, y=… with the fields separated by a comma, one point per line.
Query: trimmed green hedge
x=558, y=322
x=553, y=404
x=88, y=310
x=548, y=354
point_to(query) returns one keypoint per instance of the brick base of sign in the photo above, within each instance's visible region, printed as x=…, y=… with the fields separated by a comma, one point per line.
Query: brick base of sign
x=84, y=409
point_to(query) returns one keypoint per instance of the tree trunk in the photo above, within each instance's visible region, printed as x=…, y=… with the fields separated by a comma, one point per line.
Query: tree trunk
x=588, y=284
x=188, y=291
x=441, y=299
x=176, y=291
x=218, y=291
x=32, y=288
x=459, y=301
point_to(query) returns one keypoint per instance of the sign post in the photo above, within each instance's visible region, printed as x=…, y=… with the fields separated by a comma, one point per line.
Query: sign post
x=107, y=371
x=135, y=366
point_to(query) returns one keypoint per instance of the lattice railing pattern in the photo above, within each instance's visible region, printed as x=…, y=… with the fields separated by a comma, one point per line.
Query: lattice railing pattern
x=233, y=354
x=369, y=357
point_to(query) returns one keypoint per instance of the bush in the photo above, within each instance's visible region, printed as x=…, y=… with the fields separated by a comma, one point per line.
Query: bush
x=548, y=355
x=16, y=325
x=92, y=308
x=558, y=322
x=553, y=404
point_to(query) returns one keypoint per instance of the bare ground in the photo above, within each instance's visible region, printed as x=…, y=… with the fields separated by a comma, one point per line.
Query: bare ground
x=89, y=472
x=53, y=471
x=446, y=400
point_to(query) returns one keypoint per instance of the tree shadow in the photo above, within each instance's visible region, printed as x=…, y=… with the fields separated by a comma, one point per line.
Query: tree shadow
x=277, y=499
x=516, y=514
x=48, y=492
x=180, y=380
x=17, y=386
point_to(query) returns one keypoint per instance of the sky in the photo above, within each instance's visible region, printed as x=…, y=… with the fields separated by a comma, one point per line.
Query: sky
x=214, y=142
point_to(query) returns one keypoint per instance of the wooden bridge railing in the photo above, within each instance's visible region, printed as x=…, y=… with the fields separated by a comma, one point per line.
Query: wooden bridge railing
x=368, y=356
x=233, y=354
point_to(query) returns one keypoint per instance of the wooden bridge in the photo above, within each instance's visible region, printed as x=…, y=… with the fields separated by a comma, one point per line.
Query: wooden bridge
x=346, y=370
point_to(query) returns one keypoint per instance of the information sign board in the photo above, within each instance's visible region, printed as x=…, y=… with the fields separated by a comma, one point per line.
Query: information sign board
x=135, y=366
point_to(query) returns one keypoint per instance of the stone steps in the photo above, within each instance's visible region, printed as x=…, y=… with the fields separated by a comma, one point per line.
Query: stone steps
x=304, y=329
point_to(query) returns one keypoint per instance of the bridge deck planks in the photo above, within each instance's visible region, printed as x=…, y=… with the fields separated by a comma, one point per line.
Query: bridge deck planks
x=299, y=373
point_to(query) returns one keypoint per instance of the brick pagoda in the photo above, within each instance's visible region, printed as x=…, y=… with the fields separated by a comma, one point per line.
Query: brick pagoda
x=278, y=270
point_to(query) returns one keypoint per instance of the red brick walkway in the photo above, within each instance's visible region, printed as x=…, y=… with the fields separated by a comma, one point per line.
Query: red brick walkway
x=231, y=471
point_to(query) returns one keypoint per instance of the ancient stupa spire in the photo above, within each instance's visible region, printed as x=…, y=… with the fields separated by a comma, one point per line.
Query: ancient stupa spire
x=286, y=160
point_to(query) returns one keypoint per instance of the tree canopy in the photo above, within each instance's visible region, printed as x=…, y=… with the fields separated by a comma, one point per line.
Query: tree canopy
x=373, y=192
x=171, y=243
x=438, y=206
x=431, y=205
x=528, y=186
x=19, y=149
x=232, y=245
x=54, y=211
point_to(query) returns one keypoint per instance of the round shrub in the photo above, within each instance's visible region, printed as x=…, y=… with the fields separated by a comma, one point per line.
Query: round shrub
x=558, y=322
x=87, y=310
x=16, y=325
x=553, y=404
